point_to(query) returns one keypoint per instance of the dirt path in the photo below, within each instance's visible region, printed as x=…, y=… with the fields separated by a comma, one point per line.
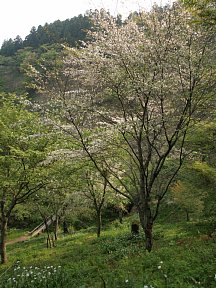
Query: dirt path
x=19, y=239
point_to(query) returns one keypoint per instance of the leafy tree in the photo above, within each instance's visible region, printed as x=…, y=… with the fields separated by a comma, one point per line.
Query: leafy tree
x=7, y=48
x=58, y=195
x=203, y=10
x=141, y=87
x=188, y=198
x=44, y=68
x=96, y=193
x=18, y=43
x=79, y=182
x=131, y=96
x=193, y=192
x=201, y=142
x=32, y=39
x=194, y=189
x=23, y=146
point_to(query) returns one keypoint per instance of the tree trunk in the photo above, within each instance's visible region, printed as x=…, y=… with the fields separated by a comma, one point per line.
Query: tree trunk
x=146, y=222
x=149, y=235
x=65, y=228
x=187, y=215
x=134, y=228
x=99, y=223
x=56, y=228
x=120, y=216
x=3, y=238
x=49, y=244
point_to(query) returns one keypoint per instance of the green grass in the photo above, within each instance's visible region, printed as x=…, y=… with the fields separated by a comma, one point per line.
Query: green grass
x=181, y=258
x=15, y=233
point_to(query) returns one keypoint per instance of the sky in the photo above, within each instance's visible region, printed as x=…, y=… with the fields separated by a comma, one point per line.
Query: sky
x=17, y=17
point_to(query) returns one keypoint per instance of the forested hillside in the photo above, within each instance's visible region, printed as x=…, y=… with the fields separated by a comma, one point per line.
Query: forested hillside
x=107, y=139
x=69, y=32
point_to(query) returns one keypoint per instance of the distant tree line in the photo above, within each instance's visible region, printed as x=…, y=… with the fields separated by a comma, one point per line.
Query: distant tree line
x=69, y=31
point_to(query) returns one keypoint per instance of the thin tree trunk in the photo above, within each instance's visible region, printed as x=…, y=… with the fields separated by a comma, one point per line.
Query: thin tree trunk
x=187, y=215
x=49, y=244
x=53, y=241
x=56, y=228
x=3, y=238
x=120, y=213
x=99, y=223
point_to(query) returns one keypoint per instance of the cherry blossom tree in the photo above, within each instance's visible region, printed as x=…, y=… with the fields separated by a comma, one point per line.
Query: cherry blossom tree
x=136, y=90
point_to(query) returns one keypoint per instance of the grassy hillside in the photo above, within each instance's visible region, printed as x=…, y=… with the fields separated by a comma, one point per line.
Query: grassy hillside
x=183, y=256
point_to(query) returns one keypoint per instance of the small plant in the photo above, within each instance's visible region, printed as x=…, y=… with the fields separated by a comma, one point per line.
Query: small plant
x=34, y=276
